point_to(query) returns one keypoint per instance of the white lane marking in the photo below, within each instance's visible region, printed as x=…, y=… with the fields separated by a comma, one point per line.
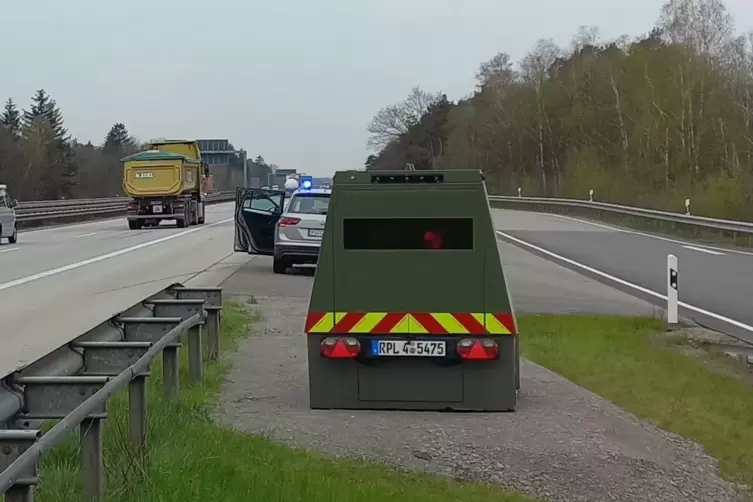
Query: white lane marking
x=72, y=266
x=86, y=235
x=8, y=250
x=702, y=250
x=623, y=282
x=651, y=236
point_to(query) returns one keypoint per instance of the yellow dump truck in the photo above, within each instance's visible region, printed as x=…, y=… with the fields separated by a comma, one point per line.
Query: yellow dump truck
x=165, y=182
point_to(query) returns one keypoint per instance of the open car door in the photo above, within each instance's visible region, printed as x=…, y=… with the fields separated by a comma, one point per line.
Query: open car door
x=256, y=214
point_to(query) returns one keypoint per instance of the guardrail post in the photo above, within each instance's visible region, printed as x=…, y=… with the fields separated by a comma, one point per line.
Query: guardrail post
x=213, y=335
x=195, y=359
x=12, y=444
x=137, y=416
x=170, y=372
x=185, y=308
x=212, y=297
x=92, y=460
x=672, y=284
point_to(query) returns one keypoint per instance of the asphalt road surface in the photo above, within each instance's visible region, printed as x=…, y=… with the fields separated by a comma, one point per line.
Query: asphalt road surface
x=57, y=283
x=563, y=443
x=715, y=284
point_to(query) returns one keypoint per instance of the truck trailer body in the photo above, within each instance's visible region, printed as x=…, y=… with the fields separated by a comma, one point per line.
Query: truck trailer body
x=165, y=182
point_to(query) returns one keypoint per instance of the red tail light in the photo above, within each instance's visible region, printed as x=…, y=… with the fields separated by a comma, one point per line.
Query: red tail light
x=132, y=205
x=340, y=347
x=478, y=349
x=286, y=221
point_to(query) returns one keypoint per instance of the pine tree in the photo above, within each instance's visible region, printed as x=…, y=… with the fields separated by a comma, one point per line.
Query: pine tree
x=44, y=106
x=69, y=176
x=11, y=118
x=58, y=169
x=55, y=117
x=118, y=138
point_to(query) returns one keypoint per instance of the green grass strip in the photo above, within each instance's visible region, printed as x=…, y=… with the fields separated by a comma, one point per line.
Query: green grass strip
x=620, y=359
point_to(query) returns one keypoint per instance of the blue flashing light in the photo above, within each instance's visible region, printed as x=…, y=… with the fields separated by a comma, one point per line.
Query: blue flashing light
x=306, y=184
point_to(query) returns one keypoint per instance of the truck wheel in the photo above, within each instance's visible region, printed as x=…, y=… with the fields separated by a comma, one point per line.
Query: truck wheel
x=185, y=221
x=134, y=224
x=279, y=266
x=194, y=213
x=13, y=238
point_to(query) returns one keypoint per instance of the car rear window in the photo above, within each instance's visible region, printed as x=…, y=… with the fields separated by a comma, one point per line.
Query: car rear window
x=407, y=233
x=309, y=203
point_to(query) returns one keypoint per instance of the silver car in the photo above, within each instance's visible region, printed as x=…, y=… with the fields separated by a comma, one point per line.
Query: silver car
x=8, y=227
x=289, y=229
x=298, y=234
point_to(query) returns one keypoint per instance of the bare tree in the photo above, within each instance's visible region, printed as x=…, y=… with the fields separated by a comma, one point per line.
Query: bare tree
x=394, y=121
x=535, y=71
x=703, y=25
x=497, y=72
x=585, y=36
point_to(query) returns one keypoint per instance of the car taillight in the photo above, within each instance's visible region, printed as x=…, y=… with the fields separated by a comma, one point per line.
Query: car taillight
x=478, y=349
x=337, y=347
x=287, y=221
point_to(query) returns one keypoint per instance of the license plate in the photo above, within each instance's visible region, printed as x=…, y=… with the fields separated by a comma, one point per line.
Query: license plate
x=157, y=209
x=144, y=175
x=315, y=232
x=422, y=348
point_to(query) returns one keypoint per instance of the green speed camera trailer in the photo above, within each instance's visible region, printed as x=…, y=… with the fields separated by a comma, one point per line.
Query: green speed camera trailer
x=409, y=308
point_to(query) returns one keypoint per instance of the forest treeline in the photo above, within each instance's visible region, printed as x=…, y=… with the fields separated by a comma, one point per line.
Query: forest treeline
x=648, y=121
x=40, y=160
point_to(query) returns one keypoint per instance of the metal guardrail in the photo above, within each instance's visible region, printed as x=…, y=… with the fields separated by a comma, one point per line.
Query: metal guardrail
x=73, y=384
x=105, y=206
x=547, y=204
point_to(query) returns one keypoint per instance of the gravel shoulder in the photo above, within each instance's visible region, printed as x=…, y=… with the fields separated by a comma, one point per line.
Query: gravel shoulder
x=564, y=443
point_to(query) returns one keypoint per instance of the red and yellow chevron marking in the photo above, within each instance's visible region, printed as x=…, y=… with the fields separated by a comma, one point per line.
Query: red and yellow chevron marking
x=414, y=323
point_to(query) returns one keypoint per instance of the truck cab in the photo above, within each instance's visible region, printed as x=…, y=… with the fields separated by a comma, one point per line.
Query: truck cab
x=8, y=223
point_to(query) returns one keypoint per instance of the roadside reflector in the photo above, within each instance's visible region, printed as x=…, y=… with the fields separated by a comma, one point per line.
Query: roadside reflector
x=340, y=347
x=478, y=349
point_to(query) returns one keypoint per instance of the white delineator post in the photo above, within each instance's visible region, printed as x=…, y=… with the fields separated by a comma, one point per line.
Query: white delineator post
x=520, y=192
x=672, y=276
x=591, y=195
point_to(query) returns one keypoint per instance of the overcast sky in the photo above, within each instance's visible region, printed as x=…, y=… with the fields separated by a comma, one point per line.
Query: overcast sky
x=294, y=81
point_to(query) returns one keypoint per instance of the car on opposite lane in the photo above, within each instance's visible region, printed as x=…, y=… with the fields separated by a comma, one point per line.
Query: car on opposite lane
x=8, y=222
